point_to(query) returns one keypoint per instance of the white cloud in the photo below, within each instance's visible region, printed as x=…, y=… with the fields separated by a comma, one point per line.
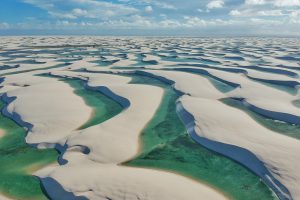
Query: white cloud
x=164, y=5
x=155, y=3
x=215, y=4
x=270, y=13
x=62, y=15
x=255, y=2
x=4, y=25
x=83, y=8
x=287, y=3
x=193, y=22
x=79, y=12
x=277, y=3
x=295, y=14
x=235, y=13
x=256, y=13
x=148, y=9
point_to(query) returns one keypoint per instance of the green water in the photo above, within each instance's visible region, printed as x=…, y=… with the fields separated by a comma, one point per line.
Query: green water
x=103, y=107
x=297, y=103
x=288, y=129
x=166, y=145
x=31, y=70
x=289, y=90
x=19, y=160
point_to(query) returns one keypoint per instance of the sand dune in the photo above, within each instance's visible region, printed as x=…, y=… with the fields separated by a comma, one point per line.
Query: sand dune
x=261, y=76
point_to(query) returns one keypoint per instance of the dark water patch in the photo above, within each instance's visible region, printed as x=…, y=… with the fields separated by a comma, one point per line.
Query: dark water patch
x=68, y=60
x=284, y=117
x=36, y=69
x=234, y=58
x=33, y=62
x=150, y=62
x=272, y=70
x=278, y=126
x=288, y=67
x=209, y=62
x=286, y=86
x=105, y=63
x=55, y=191
x=288, y=58
x=297, y=103
x=226, y=69
x=5, y=67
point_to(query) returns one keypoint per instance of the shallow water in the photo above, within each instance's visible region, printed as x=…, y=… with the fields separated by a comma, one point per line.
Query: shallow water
x=288, y=129
x=103, y=107
x=297, y=103
x=166, y=145
x=290, y=90
x=19, y=160
x=36, y=69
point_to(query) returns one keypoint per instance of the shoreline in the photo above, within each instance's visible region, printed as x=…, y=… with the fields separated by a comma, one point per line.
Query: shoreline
x=203, y=183
x=140, y=150
x=2, y=133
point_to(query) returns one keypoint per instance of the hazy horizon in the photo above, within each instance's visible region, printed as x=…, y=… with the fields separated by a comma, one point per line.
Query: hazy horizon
x=151, y=17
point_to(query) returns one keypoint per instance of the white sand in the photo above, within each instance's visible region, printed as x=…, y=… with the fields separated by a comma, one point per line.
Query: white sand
x=52, y=121
x=201, y=87
x=110, y=181
x=232, y=126
x=56, y=112
x=110, y=143
x=117, y=141
x=219, y=122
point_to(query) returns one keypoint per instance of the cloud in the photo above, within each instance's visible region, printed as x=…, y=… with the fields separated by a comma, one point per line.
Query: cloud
x=270, y=13
x=256, y=13
x=235, y=13
x=148, y=9
x=158, y=4
x=79, y=12
x=4, y=25
x=286, y=3
x=277, y=3
x=215, y=4
x=232, y=15
x=255, y=2
x=72, y=9
x=164, y=5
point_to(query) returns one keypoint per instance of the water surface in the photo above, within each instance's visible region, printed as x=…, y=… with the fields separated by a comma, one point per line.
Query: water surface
x=166, y=145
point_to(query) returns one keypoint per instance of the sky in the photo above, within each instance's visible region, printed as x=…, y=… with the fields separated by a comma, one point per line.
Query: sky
x=151, y=17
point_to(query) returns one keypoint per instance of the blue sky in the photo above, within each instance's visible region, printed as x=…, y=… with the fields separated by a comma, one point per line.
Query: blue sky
x=151, y=17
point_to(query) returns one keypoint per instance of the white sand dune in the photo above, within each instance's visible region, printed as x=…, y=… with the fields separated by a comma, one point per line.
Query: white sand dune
x=115, y=141
x=114, y=182
x=109, y=143
x=123, y=138
x=262, y=97
x=278, y=152
x=201, y=86
x=90, y=161
x=51, y=122
x=231, y=126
